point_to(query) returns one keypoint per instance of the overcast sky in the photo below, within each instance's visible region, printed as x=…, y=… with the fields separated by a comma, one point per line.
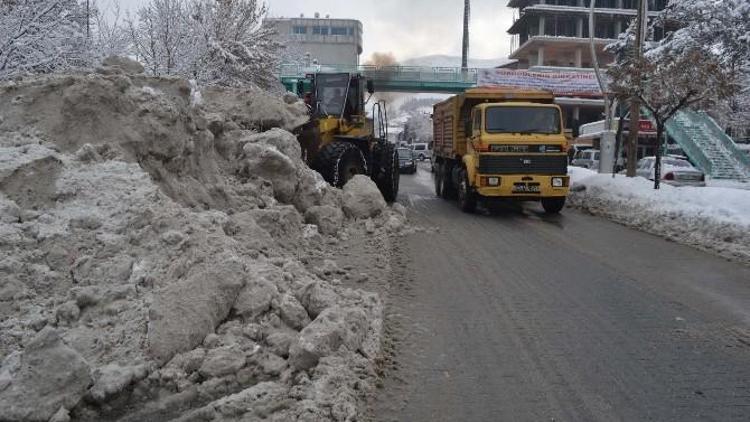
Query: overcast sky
x=407, y=28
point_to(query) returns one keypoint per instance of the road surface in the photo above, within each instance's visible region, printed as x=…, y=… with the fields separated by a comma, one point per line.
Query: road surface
x=517, y=316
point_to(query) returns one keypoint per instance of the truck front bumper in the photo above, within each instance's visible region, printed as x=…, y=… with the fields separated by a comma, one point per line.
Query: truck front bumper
x=522, y=186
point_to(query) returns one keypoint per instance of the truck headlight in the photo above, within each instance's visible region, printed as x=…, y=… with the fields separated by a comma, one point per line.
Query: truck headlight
x=558, y=182
x=489, y=181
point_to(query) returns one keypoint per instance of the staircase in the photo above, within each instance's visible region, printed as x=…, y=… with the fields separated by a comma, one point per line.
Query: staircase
x=710, y=149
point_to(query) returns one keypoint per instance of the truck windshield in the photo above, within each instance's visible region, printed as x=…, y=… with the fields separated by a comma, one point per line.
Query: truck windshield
x=522, y=120
x=331, y=93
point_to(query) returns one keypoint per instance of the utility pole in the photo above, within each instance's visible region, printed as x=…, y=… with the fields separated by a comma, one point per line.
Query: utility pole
x=635, y=105
x=88, y=19
x=607, y=142
x=465, y=50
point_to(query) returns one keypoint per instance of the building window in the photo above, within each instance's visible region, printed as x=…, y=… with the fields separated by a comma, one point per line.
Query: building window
x=338, y=30
x=320, y=30
x=299, y=30
x=351, y=32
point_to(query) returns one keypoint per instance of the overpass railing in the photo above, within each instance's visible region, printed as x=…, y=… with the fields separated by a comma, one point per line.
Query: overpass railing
x=389, y=73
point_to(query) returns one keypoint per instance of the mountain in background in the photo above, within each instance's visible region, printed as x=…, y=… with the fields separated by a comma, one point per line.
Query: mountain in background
x=441, y=60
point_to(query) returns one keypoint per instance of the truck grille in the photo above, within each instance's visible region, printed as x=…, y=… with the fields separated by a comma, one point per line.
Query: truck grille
x=523, y=164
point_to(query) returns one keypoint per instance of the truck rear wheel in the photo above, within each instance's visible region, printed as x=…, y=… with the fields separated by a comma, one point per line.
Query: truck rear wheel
x=467, y=199
x=437, y=176
x=553, y=205
x=338, y=162
x=446, y=186
x=390, y=176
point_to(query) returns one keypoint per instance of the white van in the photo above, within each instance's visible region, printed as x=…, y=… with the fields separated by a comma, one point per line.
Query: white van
x=422, y=151
x=588, y=159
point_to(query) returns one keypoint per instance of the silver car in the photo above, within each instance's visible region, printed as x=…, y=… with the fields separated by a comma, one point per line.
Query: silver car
x=588, y=159
x=674, y=171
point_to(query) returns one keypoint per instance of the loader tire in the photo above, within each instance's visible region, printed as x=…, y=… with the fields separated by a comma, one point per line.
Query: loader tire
x=390, y=175
x=338, y=162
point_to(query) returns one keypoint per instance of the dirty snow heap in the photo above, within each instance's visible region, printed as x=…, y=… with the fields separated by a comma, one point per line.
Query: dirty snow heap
x=150, y=238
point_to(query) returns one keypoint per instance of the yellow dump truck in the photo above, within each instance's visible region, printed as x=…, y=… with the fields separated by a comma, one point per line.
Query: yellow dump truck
x=497, y=143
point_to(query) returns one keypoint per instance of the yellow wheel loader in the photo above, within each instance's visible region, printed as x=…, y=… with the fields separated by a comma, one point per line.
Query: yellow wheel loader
x=340, y=140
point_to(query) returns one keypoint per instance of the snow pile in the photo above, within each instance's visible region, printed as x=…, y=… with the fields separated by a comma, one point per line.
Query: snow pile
x=150, y=258
x=711, y=218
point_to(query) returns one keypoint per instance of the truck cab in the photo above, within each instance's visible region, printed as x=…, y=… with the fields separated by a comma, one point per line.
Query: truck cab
x=513, y=147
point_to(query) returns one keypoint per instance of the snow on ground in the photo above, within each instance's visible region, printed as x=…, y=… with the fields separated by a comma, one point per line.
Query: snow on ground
x=155, y=258
x=733, y=184
x=710, y=218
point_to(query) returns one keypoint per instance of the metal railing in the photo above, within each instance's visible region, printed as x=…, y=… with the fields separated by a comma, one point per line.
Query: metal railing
x=725, y=139
x=389, y=73
x=678, y=132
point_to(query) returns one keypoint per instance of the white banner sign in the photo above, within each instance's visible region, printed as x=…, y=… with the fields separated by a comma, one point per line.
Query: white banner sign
x=562, y=84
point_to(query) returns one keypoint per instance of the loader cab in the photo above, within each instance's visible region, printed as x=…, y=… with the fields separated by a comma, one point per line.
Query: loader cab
x=339, y=95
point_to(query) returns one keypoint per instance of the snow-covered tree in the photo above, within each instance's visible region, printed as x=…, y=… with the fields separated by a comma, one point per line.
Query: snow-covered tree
x=417, y=129
x=213, y=41
x=723, y=28
x=161, y=36
x=698, y=64
x=667, y=81
x=40, y=36
x=109, y=37
x=234, y=47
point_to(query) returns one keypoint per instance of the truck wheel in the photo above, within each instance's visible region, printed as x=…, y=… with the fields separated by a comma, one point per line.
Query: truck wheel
x=467, y=199
x=437, y=176
x=553, y=205
x=338, y=162
x=447, y=190
x=389, y=176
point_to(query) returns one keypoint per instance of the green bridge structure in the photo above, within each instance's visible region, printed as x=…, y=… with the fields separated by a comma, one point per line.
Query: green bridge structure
x=411, y=79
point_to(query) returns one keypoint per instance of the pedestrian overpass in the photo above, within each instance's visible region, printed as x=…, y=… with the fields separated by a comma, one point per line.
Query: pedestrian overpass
x=411, y=79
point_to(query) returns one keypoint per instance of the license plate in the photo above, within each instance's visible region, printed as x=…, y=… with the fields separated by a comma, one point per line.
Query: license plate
x=525, y=188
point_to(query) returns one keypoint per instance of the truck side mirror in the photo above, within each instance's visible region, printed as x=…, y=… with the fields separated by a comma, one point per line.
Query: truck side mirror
x=370, y=86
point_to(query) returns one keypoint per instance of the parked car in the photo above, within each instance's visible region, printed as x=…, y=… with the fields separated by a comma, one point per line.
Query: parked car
x=422, y=151
x=587, y=159
x=575, y=150
x=406, y=162
x=674, y=171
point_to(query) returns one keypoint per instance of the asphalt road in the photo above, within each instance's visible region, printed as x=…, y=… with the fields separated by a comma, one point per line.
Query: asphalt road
x=517, y=316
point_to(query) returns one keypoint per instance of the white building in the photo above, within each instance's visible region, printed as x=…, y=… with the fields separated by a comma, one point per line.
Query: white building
x=327, y=41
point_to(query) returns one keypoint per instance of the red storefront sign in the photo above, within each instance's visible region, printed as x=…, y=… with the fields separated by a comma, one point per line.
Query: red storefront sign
x=646, y=126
